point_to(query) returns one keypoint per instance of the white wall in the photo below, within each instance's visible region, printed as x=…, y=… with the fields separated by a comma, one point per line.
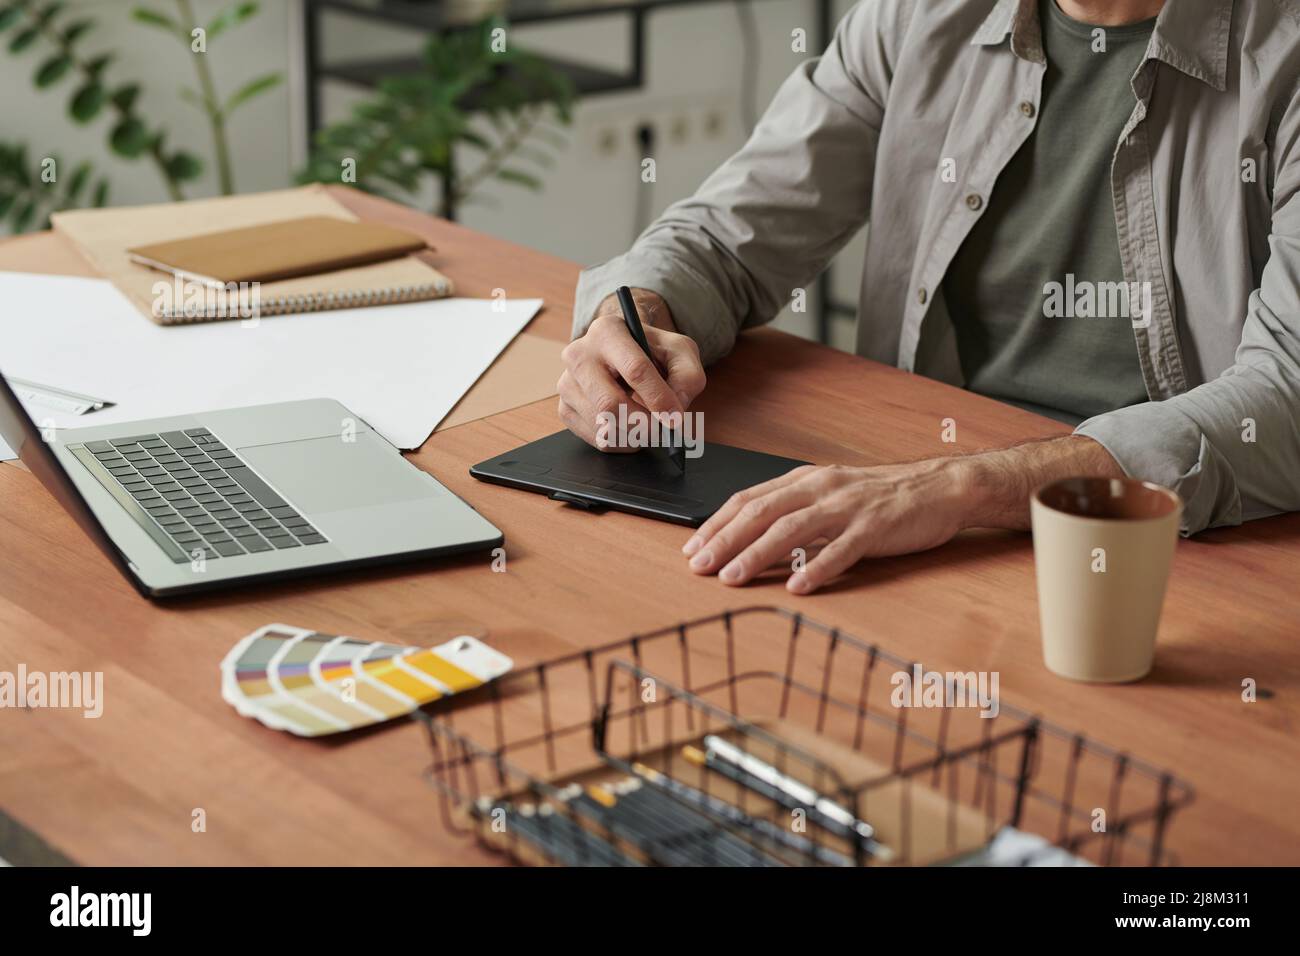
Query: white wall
x=587, y=209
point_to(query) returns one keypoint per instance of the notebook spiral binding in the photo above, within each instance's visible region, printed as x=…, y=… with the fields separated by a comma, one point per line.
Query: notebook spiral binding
x=294, y=304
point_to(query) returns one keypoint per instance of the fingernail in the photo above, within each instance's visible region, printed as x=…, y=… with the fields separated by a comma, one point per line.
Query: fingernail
x=798, y=584
x=701, y=561
x=731, y=573
x=693, y=545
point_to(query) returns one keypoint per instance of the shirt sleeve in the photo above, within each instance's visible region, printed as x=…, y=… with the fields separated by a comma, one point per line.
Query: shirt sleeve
x=771, y=218
x=1231, y=447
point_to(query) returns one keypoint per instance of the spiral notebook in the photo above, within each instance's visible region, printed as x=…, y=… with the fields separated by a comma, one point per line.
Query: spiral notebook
x=104, y=237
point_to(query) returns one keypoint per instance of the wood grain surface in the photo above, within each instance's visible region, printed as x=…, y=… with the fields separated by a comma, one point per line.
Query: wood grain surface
x=122, y=789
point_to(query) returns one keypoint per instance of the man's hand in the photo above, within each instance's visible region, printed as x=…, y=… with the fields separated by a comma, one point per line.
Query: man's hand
x=606, y=368
x=881, y=510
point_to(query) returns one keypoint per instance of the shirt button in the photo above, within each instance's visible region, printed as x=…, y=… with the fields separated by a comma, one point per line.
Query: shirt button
x=920, y=295
x=974, y=201
x=1027, y=108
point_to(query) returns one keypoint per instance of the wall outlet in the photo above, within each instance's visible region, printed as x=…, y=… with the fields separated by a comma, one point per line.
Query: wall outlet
x=611, y=133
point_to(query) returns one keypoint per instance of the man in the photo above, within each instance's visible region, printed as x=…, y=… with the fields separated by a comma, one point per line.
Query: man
x=1086, y=207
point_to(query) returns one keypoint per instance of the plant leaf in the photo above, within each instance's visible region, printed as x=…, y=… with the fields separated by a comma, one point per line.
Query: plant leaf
x=52, y=70
x=183, y=166
x=23, y=215
x=155, y=19
x=251, y=89
x=75, y=30
x=124, y=96
x=101, y=193
x=520, y=177
x=231, y=17
x=77, y=183
x=96, y=66
x=8, y=17
x=23, y=40
x=130, y=138
x=87, y=102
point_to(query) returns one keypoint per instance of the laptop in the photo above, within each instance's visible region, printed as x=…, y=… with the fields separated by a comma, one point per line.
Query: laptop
x=197, y=502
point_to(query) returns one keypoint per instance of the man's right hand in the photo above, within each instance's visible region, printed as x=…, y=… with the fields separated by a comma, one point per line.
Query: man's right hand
x=606, y=368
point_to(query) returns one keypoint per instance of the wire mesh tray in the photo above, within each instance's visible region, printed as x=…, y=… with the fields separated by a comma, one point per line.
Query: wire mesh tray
x=759, y=737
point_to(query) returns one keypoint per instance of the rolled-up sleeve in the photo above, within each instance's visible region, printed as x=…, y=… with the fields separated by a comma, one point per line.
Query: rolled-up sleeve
x=770, y=219
x=1231, y=447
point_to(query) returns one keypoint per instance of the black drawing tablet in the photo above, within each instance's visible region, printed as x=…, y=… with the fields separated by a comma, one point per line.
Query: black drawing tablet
x=644, y=482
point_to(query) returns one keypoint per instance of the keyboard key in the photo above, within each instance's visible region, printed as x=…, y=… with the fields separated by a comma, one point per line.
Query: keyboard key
x=192, y=511
x=311, y=538
x=119, y=442
x=275, y=533
x=232, y=522
x=154, y=472
x=152, y=443
x=293, y=524
x=177, y=495
x=143, y=494
x=177, y=439
x=140, y=485
x=238, y=499
x=138, y=456
x=284, y=512
x=161, y=508
x=194, y=481
x=265, y=523
x=207, y=498
x=245, y=532
x=228, y=549
x=194, y=432
x=213, y=447
x=96, y=447
x=214, y=533
x=186, y=538
x=247, y=508
x=255, y=545
x=178, y=465
x=168, y=459
x=122, y=470
x=285, y=542
x=209, y=468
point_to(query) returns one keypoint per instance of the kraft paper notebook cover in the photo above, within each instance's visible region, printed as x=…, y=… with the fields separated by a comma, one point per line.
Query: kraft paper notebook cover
x=308, y=245
x=103, y=236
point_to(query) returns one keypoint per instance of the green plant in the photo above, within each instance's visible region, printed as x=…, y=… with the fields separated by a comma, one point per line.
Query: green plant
x=217, y=111
x=413, y=124
x=29, y=191
x=49, y=24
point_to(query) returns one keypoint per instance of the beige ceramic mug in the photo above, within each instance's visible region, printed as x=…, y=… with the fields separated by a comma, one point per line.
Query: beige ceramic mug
x=1102, y=550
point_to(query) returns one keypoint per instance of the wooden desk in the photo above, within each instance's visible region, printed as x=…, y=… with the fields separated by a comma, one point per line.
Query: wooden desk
x=122, y=789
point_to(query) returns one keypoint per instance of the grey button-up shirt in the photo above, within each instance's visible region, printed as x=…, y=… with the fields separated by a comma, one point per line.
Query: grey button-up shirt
x=907, y=121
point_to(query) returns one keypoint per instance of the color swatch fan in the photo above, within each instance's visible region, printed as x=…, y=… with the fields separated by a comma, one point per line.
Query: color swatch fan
x=312, y=684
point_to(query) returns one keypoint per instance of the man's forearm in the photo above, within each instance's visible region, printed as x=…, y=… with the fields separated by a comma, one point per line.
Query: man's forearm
x=997, y=485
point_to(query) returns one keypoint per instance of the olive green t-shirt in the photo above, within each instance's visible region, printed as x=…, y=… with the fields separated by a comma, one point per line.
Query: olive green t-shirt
x=1027, y=290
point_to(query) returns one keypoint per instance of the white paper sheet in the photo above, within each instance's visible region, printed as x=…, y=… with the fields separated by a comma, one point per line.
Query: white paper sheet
x=399, y=367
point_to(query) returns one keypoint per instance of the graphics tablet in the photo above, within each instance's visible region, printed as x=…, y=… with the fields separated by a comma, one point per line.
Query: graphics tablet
x=567, y=469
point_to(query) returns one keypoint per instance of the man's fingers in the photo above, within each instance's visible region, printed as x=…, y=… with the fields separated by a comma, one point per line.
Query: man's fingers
x=720, y=518
x=598, y=392
x=636, y=369
x=754, y=517
x=679, y=357
x=775, y=545
x=833, y=560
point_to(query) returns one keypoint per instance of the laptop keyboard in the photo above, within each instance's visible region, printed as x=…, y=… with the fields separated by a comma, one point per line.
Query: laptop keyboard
x=202, y=496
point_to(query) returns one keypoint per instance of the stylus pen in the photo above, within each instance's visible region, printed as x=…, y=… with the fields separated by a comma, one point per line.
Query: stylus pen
x=632, y=318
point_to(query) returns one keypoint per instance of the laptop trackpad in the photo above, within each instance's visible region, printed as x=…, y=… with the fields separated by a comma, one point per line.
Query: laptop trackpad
x=328, y=474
